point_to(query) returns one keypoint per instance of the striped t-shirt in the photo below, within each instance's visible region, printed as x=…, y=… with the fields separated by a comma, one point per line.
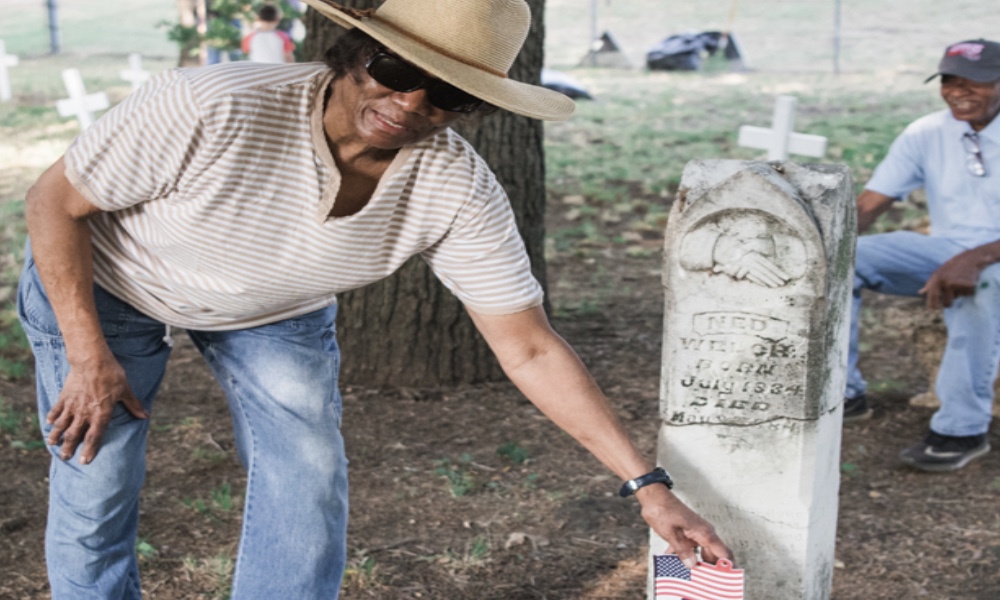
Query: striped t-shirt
x=217, y=184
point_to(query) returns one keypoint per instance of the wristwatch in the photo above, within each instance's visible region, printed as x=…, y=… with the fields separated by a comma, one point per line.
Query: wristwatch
x=657, y=475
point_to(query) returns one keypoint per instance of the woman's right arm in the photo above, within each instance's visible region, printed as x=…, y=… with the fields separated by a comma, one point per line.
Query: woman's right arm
x=57, y=217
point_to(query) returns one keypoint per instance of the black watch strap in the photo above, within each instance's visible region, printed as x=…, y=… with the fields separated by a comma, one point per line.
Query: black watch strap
x=657, y=475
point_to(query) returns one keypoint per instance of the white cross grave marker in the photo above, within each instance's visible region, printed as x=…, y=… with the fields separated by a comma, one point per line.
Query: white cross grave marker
x=781, y=140
x=80, y=104
x=135, y=74
x=6, y=60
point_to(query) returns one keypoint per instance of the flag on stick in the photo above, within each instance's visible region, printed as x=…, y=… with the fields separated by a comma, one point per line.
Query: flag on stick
x=674, y=581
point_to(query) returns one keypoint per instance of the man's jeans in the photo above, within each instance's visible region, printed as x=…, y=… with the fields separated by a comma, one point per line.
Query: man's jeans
x=281, y=383
x=900, y=263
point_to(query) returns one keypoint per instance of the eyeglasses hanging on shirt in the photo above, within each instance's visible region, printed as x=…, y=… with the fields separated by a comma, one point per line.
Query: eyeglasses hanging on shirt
x=974, y=154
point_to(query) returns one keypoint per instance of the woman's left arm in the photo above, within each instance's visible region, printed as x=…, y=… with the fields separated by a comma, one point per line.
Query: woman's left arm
x=547, y=370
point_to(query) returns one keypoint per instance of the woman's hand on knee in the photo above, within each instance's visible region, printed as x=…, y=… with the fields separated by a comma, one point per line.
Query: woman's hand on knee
x=86, y=405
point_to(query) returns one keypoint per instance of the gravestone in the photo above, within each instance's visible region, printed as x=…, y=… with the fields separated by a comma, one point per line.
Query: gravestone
x=605, y=51
x=6, y=61
x=781, y=139
x=80, y=104
x=759, y=260
x=135, y=74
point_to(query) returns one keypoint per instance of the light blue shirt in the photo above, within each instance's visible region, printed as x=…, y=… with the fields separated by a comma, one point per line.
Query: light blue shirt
x=930, y=154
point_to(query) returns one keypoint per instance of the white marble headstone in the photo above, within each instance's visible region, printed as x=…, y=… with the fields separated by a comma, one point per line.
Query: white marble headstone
x=757, y=275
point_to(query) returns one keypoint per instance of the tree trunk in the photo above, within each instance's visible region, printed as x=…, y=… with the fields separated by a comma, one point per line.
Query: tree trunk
x=187, y=11
x=410, y=330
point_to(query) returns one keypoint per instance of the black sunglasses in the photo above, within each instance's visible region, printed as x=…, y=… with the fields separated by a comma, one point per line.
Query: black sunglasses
x=400, y=76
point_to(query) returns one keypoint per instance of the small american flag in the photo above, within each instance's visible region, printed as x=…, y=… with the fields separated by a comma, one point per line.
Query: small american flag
x=674, y=581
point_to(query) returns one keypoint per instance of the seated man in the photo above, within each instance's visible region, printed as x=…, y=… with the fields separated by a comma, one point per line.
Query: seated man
x=954, y=154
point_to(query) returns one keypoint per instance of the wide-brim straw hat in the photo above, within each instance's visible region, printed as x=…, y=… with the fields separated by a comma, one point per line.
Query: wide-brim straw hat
x=471, y=44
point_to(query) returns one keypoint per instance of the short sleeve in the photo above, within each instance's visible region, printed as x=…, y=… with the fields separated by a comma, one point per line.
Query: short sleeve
x=289, y=44
x=138, y=150
x=483, y=261
x=901, y=171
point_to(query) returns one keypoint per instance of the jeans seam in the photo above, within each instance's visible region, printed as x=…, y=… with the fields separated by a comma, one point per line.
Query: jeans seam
x=995, y=360
x=251, y=471
x=134, y=582
x=981, y=382
x=984, y=382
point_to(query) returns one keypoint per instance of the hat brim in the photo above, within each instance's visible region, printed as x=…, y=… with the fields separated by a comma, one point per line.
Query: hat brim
x=951, y=65
x=524, y=99
x=979, y=77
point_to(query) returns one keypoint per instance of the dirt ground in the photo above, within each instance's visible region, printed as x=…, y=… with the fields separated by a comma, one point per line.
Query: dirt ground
x=468, y=492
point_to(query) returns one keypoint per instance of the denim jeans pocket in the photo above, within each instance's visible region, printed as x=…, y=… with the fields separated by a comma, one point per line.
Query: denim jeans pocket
x=33, y=308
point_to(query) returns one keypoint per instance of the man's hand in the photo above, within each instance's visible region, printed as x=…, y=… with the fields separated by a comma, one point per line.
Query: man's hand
x=85, y=407
x=957, y=277
x=681, y=527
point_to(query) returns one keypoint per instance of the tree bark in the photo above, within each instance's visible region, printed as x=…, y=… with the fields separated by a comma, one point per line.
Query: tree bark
x=409, y=330
x=187, y=11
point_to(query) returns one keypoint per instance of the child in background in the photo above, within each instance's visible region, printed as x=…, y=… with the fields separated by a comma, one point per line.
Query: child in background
x=266, y=43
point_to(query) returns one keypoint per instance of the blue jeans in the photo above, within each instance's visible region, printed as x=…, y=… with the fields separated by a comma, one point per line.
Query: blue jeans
x=900, y=263
x=281, y=384
x=215, y=56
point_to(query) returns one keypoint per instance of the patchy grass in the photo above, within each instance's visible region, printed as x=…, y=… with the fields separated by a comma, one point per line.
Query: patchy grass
x=220, y=504
x=514, y=452
x=19, y=427
x=144, y=549
x=460, y=475
x=212, y=574
x=14, y=350
x=362, y=575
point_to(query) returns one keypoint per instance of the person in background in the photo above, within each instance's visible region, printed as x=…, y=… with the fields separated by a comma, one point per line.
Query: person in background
x=954, y=155
x=236, y=201
x=266, y=43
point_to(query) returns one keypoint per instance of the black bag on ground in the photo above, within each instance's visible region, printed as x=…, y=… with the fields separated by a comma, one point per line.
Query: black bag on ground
x=682, y=52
